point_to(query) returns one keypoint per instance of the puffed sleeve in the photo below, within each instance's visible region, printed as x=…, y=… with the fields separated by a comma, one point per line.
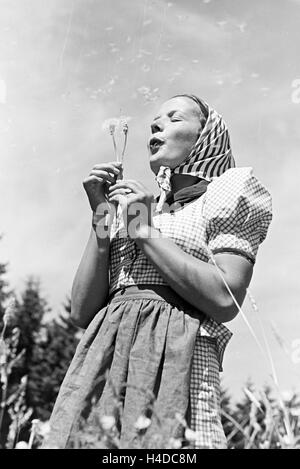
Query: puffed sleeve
x=237, y=209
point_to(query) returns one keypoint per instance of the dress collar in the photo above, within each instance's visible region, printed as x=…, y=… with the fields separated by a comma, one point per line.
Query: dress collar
x=188, y=193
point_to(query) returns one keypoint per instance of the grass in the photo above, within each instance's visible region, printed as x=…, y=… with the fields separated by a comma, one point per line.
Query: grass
x=262, y=421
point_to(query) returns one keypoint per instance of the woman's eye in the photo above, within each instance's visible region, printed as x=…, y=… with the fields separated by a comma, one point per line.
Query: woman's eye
x=174, y=119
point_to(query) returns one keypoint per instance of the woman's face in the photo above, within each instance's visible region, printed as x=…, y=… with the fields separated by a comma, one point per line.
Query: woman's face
x=174, y=131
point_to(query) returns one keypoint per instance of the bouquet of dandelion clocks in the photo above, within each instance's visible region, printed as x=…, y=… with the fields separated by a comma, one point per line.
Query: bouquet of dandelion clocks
x=118, y=126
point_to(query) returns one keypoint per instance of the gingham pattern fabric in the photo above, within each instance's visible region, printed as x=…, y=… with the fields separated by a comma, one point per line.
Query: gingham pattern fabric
x=210, y=157
x=238, y=211
x=232, y=216
x=205, y=397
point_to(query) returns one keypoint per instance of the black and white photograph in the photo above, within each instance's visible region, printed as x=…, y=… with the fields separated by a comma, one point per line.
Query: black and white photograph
x=149, y=218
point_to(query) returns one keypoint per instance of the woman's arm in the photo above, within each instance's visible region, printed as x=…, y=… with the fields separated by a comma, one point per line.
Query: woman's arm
x=197, y=281
x=91, y=282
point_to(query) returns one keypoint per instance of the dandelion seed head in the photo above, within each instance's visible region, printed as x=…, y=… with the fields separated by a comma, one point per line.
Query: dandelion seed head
x=124, y=123
x=110, y=125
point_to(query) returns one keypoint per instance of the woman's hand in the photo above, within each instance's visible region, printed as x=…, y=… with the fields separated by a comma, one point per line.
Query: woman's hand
x=137, y=205
x=98, y=181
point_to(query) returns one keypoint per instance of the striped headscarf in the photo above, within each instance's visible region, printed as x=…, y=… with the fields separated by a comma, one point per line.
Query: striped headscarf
x=210, y=157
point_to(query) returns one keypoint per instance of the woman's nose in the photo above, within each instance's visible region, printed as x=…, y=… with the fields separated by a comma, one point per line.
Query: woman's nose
x=156, y=128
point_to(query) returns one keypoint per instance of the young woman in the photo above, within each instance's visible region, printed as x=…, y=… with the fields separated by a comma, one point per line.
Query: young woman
x=149, y=288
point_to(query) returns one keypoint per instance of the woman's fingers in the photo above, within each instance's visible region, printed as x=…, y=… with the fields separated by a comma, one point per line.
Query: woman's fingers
x=114, y=167
x=103, y=175
x=92, y=178
x=129, y=184
x=122, y=190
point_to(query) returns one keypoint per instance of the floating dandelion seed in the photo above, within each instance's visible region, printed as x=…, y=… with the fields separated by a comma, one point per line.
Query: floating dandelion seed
x=242, y=27
x=2, y=92
x=237, y=81
x=145, y=68
x=145, y=52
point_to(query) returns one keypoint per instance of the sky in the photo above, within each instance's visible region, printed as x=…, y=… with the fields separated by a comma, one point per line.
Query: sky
x=67, y=65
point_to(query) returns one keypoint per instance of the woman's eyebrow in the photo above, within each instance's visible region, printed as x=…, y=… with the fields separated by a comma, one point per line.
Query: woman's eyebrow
x=170, y=114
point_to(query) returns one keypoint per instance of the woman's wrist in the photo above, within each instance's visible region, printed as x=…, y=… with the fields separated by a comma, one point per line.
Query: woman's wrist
x=101, y=224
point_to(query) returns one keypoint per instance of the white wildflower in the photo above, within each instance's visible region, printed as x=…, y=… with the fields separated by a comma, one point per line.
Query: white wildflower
x=107, y=422
x=265, y=445
x=142, y=423
x=190, y=435
x=175, y=443
x=288, y=440
x=44, y=429
x=287, y=395
x=180, y=419
x=10, y=312
x=21, y=445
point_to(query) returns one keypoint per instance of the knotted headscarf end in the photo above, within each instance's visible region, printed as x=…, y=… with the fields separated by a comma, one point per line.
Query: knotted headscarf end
x=163, y=180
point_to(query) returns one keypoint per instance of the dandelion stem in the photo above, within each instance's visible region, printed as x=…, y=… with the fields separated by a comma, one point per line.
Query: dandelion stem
x=115, y=146
x=124, y=146
x=3, y=395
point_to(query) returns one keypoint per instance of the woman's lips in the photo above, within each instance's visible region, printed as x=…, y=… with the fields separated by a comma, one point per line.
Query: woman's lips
x=154, y=148
x=155, y=144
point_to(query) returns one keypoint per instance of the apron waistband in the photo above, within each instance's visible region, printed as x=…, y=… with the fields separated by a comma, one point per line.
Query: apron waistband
x=154, y=292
